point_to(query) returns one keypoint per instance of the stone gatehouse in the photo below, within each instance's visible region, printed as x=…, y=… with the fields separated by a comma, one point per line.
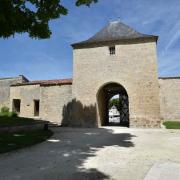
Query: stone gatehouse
x=116, y=60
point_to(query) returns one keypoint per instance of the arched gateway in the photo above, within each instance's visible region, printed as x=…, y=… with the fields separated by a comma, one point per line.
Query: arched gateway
x=104, y=95
x=120, y=54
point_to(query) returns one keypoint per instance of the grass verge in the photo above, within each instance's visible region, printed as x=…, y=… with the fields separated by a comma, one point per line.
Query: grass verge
x=172, y=124
x=13, y=141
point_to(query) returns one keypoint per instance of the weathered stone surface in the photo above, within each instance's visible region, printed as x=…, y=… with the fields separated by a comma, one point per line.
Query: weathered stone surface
x=5, y=89
x=170, y=98
x=53, y=101
x=27, y=95
x=134, y=67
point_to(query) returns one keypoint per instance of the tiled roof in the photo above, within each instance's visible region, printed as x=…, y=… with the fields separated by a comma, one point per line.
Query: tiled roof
x=114, y=31
x=47, y=82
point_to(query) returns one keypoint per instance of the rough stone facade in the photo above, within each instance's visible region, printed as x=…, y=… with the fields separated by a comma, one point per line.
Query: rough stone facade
x=5, y=84
x=27, y=94
x=52, y=100
x=134, y=67
x=170, y=98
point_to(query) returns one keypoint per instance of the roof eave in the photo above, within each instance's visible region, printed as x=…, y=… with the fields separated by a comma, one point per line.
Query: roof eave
x=169, y=77
x=41, y=84
x=86, y=44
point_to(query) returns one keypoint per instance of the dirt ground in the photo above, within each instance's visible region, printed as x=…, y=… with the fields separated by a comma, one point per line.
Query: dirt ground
x=89, y=154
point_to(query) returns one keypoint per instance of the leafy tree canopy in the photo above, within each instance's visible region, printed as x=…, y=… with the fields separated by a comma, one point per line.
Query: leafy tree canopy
x=115, y=102
x=32, y=16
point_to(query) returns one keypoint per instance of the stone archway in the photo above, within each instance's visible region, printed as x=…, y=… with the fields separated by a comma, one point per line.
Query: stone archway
x=104, y=95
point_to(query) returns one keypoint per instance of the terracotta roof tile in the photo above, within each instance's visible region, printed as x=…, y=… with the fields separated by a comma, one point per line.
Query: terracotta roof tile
x=47, y=82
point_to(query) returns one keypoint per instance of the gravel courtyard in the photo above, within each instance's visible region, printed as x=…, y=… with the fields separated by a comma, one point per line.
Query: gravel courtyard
x=90, y=154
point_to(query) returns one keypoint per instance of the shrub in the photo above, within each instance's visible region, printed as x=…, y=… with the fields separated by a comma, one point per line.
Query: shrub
x=4, y=111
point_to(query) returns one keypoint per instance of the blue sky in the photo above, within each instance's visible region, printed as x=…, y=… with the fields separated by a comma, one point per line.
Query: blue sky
x=52, y=58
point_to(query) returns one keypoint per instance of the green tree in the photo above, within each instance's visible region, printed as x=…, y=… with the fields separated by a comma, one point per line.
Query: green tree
x=115, y=102
x=32, y=16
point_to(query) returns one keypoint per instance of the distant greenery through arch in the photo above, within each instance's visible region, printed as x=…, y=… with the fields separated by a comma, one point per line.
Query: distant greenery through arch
x=115, y=102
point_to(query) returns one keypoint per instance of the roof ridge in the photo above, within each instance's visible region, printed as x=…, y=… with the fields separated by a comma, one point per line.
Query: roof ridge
x=64, y=79
x=47, y=82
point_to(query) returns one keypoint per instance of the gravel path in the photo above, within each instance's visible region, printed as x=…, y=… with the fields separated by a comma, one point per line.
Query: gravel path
x=90, y=154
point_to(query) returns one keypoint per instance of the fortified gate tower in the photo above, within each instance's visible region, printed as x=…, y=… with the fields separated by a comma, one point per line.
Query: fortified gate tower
x=116, y=60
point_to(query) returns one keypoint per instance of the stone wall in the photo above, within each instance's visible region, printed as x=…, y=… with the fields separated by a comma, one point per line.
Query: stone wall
x=134, y=67
x=5, y=89
x=170, y=98
x=53, y=101
x=27, y=94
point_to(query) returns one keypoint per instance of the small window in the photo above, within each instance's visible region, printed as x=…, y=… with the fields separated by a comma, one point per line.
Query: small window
x=16, y=106
x=36, y=107
x=112, y=50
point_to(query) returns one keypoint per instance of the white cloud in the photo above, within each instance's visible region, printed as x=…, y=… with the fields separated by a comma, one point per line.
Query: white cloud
x=169, y=64
x=174, y=35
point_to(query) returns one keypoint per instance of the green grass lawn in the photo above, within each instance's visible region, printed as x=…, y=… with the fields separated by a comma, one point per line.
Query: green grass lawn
x=12, y=141
x=172, y=124
x=16, y=121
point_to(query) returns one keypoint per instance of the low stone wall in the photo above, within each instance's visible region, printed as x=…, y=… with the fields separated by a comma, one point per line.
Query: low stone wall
x=13, y=129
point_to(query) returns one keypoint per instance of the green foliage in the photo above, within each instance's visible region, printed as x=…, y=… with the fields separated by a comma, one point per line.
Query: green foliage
x=85, y=2
x=172, y=124
x=115, y=102
x=5, y=112
x=32, y=16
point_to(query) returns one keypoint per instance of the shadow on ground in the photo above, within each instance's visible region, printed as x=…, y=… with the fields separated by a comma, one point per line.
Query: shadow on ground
x=64, y=155
x=73, y=147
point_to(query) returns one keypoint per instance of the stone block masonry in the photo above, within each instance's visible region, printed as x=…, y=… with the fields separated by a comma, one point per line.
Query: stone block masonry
x=134, y=66
x=5, y=84
x=170, y=98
